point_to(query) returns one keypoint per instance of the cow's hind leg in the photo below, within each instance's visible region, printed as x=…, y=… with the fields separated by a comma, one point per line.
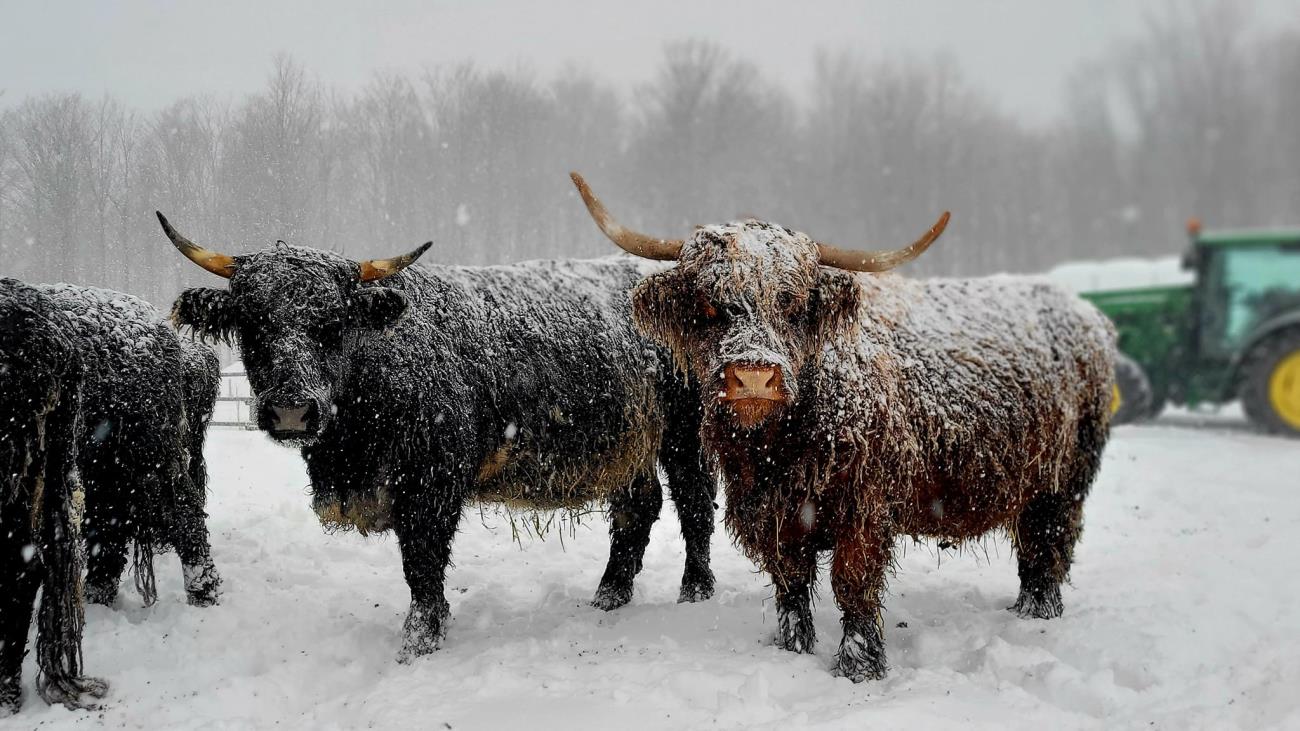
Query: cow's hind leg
x=1045, y=535
x=106, y=529
x=20, y=576
x=633, y=511
x=1049, y=527
x=190, y=532
x=693, y=490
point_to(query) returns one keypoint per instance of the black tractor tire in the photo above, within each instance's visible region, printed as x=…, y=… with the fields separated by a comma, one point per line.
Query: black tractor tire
x=1132, y=402
x=1270, y=384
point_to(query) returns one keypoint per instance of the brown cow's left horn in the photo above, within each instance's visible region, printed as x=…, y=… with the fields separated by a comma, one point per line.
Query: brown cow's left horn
x=219, y=264
x=630, y=241
x=880, y=261
x=373, y=269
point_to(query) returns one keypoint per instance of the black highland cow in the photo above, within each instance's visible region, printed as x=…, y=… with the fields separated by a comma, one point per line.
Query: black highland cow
x=411, y=393
x=147, y=397
x=40, y=500
x=847, y=409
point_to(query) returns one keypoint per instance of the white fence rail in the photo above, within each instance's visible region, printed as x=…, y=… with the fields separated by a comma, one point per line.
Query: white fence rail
x=234, y=405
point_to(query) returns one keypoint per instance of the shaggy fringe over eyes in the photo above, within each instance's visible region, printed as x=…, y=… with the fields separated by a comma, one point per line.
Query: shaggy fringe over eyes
x=206, y=312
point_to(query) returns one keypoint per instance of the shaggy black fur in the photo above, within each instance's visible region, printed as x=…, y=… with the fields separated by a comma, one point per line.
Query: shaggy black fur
x=145, y=403
x=40, y=500
x=411, y=396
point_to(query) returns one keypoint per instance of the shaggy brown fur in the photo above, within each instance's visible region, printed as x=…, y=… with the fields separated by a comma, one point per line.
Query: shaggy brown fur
x=943, y=409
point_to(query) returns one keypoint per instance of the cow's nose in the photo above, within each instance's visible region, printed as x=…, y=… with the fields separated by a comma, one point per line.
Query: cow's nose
x=293, y=418
x=753, y=381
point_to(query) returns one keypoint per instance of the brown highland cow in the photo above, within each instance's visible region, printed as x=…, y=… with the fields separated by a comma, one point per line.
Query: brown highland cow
x=846, y=410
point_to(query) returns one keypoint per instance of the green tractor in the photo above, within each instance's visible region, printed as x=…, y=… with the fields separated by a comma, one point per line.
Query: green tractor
x=1233, y=333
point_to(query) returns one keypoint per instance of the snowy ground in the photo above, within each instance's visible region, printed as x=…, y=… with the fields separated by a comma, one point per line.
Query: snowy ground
x=1185, y=612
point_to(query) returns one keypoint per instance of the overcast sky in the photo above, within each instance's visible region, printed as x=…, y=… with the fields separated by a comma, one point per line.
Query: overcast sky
x=150, y=53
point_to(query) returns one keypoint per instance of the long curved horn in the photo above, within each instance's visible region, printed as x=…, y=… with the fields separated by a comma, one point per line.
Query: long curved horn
x=630, y=241
x=880, y=261
x=373, y=269
x=219, y=264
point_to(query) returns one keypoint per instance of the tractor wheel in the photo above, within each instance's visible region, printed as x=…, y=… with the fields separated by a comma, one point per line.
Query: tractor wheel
x=1270, y=384
x=1131, y=395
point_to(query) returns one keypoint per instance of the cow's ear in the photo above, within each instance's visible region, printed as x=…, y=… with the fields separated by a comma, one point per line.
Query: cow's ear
x=836, y=301
x=659, y=306
x=376, y=307
x=206, y=311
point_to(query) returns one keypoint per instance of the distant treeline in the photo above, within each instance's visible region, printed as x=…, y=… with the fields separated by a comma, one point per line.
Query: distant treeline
x=1197, y=117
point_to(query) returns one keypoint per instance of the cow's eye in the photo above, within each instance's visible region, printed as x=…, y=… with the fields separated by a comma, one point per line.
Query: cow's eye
x=789, y=305
x=705, y=311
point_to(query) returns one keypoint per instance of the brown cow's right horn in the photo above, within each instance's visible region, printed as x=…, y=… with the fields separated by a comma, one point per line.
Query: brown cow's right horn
x=879, y=261
x=629, y=241
x=219, y=264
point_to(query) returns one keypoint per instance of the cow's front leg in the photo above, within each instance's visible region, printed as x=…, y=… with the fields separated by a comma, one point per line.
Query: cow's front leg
x=793, y=576
x=858, y=580
x=424, y=534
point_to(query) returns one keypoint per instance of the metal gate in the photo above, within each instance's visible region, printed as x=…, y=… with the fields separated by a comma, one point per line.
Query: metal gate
x=234, y=405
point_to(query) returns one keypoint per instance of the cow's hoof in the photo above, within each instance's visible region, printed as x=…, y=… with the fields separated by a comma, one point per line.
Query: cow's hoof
x=423, y=631
x=202, y=585
x=794, y=629
x=610, y=596
x=1038, y=604
x=696, y=588
x=859, y=673
x=862, y=651
x=73, y=693
x=104, y=594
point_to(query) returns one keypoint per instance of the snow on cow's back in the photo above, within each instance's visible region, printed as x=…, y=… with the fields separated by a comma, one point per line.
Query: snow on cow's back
x=977, y=356
x=123, y=327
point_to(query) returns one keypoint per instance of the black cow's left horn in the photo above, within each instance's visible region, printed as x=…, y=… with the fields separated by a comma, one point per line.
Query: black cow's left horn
x=880, y=261
x=219, y=264
x=373, y=269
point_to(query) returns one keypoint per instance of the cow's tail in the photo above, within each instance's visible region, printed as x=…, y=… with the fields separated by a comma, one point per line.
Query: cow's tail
x=142, y=566
x=62, y=611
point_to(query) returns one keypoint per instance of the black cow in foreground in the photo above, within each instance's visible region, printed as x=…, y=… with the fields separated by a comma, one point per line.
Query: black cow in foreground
x=147, y=397
x=412, y=391
x=40, y=500
x=848, y=409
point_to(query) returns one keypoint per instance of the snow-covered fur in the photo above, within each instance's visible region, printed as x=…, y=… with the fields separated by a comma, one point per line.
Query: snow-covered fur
x=145, y=403
x=40, y=500
x=412, y=395
x=940, y=408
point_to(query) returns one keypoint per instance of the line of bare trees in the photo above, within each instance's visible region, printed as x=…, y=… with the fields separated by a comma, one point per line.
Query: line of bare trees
x=1197, y=117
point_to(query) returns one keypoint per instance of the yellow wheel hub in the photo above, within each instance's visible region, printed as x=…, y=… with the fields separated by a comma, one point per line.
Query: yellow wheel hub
x=1116, y=399
x=1284, y=389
